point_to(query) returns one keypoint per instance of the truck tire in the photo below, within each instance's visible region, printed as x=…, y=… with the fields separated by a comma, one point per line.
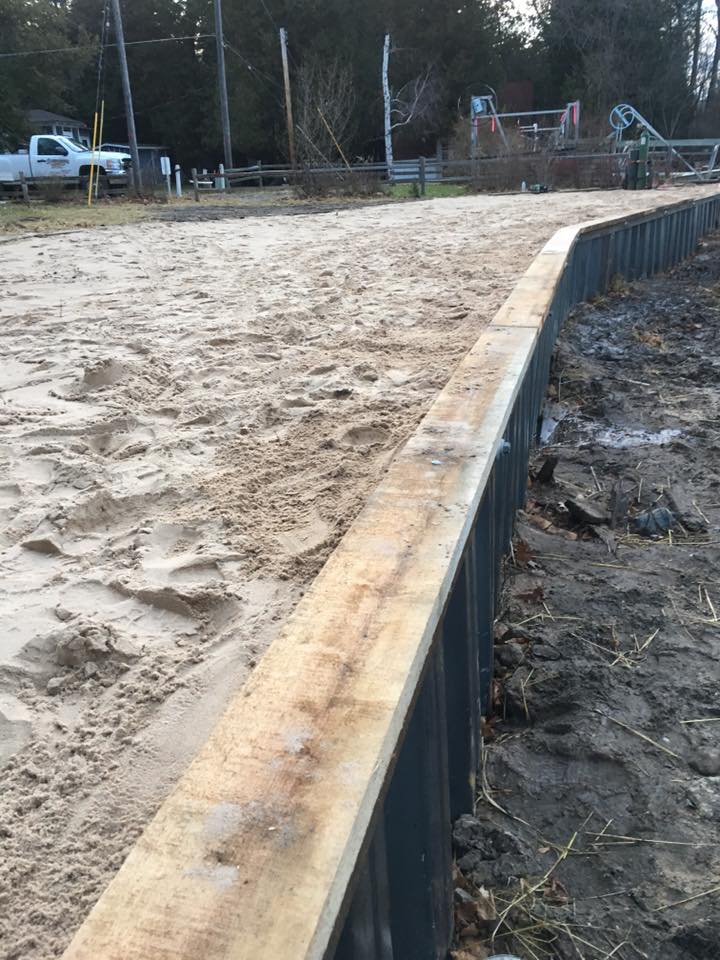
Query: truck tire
x=103, y=187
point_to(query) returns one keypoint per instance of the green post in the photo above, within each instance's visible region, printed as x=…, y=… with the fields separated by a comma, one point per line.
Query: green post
x=643, y=173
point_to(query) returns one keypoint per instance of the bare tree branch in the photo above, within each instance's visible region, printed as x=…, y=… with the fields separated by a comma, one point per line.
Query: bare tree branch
x=325, y=108
x=419, y=99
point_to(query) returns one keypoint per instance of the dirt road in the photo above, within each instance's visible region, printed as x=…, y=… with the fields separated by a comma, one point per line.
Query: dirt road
x=192, y=414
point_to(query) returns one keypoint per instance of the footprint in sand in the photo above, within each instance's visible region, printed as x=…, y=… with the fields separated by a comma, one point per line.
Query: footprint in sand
x=104, y=372
x=364, y=435
x=321, y=369
x=305, y=537
x=365, y=371
x=294, y=403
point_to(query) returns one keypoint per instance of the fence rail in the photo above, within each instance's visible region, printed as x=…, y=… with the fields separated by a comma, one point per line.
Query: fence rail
x=315, y=823
x=423, y=170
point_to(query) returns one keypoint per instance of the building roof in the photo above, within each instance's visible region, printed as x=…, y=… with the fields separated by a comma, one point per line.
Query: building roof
x=108, y=144
x=141, y=146
x=46, y=116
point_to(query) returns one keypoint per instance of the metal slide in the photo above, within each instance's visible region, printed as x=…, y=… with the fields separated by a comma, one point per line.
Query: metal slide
x=624, y=115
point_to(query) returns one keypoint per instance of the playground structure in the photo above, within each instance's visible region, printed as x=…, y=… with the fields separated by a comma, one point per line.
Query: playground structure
x=554, y=128
x=642, y=150
x=649, y=152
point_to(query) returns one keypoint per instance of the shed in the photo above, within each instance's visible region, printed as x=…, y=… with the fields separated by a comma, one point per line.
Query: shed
x=149, y=153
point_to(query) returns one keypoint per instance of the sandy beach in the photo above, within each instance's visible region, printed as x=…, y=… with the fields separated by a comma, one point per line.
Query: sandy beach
x=191, y=415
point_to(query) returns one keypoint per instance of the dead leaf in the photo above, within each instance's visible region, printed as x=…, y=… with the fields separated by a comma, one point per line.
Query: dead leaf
x=486, y=904
x=523, y=553
x=651, y=339
x=555, y=891
x=542, y=522
x=533, y=596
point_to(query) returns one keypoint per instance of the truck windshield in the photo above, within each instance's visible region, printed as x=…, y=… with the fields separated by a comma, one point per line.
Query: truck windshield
x=74, y=144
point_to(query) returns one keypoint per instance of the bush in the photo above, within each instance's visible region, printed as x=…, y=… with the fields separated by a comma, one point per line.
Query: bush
x=336, y=183
x=558, y=171
x=52, y=189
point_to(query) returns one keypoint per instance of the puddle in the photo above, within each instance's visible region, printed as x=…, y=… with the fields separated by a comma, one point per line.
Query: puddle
x=552, y=416
x=622, y=439
x=578, y=429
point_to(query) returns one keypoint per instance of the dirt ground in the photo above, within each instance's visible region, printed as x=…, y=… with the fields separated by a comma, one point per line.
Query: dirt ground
x=597, y=829
x=192, y=414
x=41, y=218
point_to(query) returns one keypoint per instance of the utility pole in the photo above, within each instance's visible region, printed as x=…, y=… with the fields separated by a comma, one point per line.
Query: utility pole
x=222, y=85
x=288, y=99
x=387, y=102
x=127, y=96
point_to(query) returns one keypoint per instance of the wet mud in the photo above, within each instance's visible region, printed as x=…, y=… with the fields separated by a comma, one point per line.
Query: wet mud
x=596, y=830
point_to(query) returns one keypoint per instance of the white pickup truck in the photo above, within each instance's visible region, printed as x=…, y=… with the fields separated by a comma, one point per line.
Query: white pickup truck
x=52, y=156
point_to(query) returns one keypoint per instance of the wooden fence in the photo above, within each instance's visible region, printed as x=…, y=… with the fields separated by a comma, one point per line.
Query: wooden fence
x=506, y=172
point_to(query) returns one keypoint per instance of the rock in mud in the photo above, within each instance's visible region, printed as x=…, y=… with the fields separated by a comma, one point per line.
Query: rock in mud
x=546, y=472
x=619, y=503
x=517, y=697
x=584, y=511
x=490, y=855
x=682, y=506
x=509, y=655
x=706, y=762
x=700, y=939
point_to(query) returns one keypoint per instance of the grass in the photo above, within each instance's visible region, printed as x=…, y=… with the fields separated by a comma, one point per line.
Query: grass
x=38, y=217
x=401, y=191
x=73, y=213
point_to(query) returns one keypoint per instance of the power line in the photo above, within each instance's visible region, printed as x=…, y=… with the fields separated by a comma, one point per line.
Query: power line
x=277, y=30
x=259, y=75
x=252, y=68
x=101, y=57
x=131, y=43
x=272, y=18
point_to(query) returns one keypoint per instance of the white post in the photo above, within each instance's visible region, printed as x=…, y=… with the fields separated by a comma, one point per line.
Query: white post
x=178, y=181
x=386, y=101
x=221, y=178
x=166, y=170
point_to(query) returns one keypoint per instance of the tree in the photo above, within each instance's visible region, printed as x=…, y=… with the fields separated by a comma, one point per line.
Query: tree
x=606, y=51
x=466, y=42
x=324, y=114
x=37, y=81
x=713, y=79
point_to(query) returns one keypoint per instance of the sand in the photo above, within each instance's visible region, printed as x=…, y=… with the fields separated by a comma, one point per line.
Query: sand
x=192, y=414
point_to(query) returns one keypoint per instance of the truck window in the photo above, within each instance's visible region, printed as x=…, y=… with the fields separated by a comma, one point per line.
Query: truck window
x=74, y=145
x=50, y=148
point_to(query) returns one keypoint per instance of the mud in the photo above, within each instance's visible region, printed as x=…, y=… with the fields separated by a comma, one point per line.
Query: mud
x=596, y=833
x=270, y=203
